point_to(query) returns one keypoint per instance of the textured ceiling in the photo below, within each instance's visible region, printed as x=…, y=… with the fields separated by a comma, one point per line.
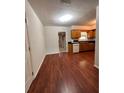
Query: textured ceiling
x=50, y=10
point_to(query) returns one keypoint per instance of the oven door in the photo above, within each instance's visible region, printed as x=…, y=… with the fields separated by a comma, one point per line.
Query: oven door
x=76, y=48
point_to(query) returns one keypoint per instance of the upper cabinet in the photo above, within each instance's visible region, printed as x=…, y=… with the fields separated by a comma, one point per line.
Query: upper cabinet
x=75, y=34
x=76, y=31
x=91, y=34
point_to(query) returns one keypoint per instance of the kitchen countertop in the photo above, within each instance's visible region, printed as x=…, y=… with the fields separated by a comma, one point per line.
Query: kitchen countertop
x=88, y=40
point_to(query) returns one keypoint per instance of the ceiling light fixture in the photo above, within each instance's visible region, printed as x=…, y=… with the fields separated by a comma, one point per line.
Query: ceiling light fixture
x=65, y=18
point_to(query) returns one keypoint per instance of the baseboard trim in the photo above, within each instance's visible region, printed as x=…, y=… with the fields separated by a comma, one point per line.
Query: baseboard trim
x=34, y=76
x=52, y=53
x=49, y=53
x=96, y=66
x=27, y=84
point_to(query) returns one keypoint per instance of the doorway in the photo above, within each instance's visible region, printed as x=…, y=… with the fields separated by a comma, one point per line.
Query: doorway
x=62, y=41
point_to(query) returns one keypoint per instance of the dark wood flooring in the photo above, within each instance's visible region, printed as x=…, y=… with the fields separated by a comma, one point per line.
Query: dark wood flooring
x=67, y=73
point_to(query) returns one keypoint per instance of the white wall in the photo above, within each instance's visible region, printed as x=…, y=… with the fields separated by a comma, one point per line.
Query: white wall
x=36, y=38
x=97, y=39
x=51, y=36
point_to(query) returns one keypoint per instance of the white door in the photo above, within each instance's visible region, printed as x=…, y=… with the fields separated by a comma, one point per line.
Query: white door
x=28, y=65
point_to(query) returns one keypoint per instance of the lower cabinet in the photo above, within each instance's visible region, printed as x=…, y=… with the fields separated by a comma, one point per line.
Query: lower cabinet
x=83, y=46
x=86, y=46
x=70, y=47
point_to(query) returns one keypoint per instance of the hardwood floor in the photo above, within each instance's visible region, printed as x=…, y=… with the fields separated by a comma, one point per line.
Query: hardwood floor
x=67, y=73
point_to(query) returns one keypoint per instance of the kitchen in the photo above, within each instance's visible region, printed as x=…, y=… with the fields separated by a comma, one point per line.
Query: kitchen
x=83, y=39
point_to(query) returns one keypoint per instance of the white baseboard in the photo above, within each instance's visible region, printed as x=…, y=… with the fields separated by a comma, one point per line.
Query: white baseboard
x=96, y=66
x=34, y=76
x=52, y=53
x=27, y=84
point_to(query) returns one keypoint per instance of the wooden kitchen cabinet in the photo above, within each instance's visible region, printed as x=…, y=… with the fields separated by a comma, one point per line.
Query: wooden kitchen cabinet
x=91, y=34
x=86, y=46
x=83, y=46
x=75, y=34
x=70, y=47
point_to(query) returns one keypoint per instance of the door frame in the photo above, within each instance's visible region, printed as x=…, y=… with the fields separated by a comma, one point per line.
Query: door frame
x=29, y=81
x=59, y=42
